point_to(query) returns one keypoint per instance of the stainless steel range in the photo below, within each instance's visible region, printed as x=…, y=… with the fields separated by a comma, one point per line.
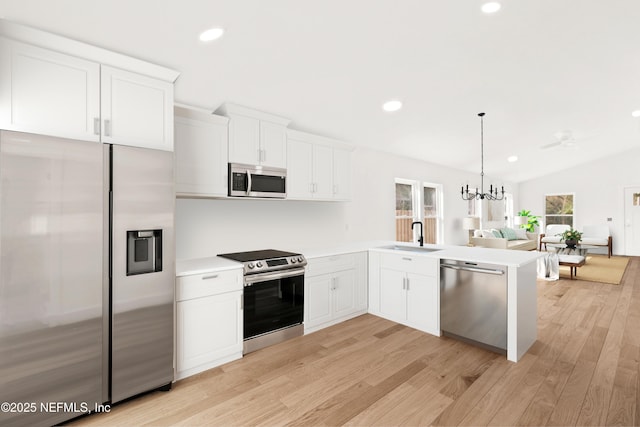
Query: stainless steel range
x=273, y=296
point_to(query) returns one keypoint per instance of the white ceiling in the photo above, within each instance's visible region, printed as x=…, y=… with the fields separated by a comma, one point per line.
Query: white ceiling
x=536, y=67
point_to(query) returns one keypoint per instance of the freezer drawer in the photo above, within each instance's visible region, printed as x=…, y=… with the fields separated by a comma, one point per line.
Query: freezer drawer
x=473, y=303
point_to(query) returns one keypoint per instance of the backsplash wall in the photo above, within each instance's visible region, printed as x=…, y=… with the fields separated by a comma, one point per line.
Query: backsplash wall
x=206, y=227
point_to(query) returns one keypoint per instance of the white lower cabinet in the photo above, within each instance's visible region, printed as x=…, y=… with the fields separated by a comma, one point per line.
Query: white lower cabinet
x=405, y=289
x=208, y=321
x=335, y=290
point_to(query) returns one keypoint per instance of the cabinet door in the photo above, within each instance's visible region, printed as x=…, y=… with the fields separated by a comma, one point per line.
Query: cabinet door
x=244, y=140
x=341, y=174
x=393, y=297
x=201, y=157
x=299, y=173
x=322, y=172
x=362, y=282
x=422, y=303
x=273, y=142
x=48, y=93
x=208, y=328
x=136, y=110
x=344, y=289
x=317, y=300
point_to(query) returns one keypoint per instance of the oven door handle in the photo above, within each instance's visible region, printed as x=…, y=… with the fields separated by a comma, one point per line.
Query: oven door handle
x=262, y=277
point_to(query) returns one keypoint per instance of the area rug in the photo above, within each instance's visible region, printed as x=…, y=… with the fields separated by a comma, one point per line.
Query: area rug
x=599, y=268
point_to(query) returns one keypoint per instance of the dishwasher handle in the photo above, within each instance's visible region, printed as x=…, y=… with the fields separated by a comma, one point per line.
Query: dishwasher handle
x=474, y=269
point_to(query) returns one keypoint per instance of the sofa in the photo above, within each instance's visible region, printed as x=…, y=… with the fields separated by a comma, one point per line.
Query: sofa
x=516, y=239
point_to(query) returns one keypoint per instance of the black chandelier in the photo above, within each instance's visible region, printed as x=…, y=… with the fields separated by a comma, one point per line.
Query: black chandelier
x=493, y=193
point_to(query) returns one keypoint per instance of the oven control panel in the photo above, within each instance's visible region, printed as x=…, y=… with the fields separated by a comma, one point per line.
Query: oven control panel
x=274, y=264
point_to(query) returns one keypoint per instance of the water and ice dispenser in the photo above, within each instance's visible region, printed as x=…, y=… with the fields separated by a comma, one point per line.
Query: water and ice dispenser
x=144, y=251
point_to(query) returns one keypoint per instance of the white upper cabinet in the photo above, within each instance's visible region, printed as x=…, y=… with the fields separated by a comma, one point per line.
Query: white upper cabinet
x=256, y=138
x=317, y=168
x=136, y=110
x=51, y=85
x=200, y=153
x=273, y=143
x=341, y=174
x=50, y=93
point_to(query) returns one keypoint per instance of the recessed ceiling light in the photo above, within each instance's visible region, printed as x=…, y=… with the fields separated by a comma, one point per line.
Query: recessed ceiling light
x=211, y=34
x=491, y=7
x=392, y=105
x=636, y=113
x=512, y=159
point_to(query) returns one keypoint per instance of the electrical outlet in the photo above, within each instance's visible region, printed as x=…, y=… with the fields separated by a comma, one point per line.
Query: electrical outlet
x=609, y=219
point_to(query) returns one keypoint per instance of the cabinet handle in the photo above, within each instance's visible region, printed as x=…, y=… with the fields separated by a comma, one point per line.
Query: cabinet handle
x=408, y=282
x=403, y=283
x=407, y=259
x=264, y=155
x=211, y=276
x=107, y=127
x=96, y=125
x=335, y=189
x=242, y=302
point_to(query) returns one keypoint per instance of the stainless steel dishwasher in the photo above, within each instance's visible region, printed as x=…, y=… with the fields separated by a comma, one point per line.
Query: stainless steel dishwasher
x=473, y=303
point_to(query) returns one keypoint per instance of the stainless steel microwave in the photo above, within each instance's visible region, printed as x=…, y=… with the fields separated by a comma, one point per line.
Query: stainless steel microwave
x=257, y=181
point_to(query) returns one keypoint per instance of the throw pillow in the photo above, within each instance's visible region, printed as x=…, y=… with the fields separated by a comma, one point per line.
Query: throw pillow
x=521, y=233
x=487, y=234
x=509, y=233
x=497, y=233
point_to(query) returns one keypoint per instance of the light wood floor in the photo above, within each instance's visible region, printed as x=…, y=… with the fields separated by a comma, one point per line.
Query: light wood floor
x=583, y=370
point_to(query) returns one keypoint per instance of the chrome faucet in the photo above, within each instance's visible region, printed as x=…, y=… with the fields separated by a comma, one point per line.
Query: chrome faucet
x=421, y=238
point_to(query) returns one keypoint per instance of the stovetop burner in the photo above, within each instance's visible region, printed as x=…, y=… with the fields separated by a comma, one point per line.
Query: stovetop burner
x=261, y=255
x=266, y=260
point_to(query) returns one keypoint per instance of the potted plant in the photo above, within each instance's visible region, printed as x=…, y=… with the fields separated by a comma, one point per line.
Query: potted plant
x=527, y=221
x=571, y=237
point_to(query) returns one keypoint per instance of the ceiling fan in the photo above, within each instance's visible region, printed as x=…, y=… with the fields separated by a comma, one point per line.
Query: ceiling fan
x=564, y=139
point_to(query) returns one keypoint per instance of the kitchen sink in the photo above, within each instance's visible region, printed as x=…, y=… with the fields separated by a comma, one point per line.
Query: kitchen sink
x=418, y=249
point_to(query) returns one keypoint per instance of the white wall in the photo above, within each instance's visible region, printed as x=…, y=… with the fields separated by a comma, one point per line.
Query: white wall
x=599, y=192
x=207, y=227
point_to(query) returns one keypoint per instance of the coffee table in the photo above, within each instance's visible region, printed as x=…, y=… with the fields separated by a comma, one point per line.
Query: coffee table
x=570, y=257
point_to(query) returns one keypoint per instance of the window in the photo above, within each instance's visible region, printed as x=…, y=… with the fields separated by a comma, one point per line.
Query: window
x=558, y=209
x=418, y=201
x=508, y=209
x=404, y=212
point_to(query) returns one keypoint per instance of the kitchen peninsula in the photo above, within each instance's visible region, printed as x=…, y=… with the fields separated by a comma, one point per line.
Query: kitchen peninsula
x=346, y=281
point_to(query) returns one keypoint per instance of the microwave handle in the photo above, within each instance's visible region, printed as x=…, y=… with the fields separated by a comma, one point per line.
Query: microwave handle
x=248, y=182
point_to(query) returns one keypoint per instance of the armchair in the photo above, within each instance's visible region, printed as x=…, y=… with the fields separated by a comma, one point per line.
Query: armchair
x=597, y=235
x=551, y=234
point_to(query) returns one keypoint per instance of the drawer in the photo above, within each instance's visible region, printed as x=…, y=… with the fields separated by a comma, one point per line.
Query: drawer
x=410, y=263
x=207, y=284
x=330, y=264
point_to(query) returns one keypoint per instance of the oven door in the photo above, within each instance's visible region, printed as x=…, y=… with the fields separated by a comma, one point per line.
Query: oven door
x=273, y=301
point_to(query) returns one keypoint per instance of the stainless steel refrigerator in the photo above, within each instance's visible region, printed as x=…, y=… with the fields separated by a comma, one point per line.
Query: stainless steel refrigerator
x=86, y=275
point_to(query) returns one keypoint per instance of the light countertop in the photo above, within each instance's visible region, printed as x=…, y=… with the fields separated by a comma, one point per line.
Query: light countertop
x=510, y=258
x=189, y=267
